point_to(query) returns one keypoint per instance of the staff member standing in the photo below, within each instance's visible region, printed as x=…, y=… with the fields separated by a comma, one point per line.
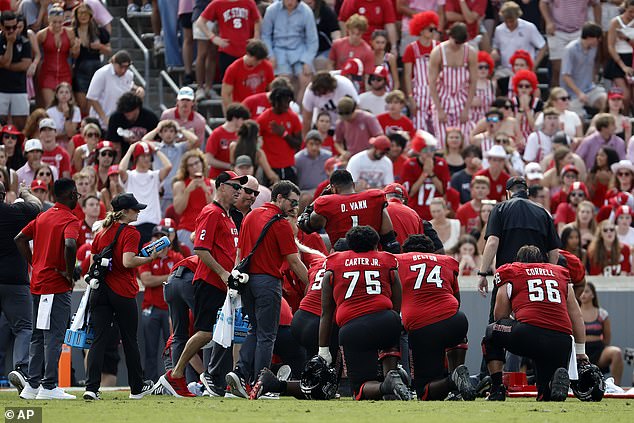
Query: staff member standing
x=54, y=234
x=512, y=224
x=115, y=299
x=15, y=295
x=263, y=294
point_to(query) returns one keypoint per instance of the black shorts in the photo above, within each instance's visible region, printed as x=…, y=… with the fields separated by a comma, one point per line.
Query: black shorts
x=185, y=20
x=594, y=350
x=612, y=70
x=207, y=300
x=305, y=329
x=549, y=349
x=428, y=345
x=362, y=338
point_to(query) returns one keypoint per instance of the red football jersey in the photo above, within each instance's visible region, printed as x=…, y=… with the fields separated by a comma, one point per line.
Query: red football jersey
x=360, y=283
x=311, y=302
x=538, y=293
x=57, y=157
x=405, y=220
x=343, y=211
x=430, y=282
x=421, y=201
x=622, y=268
x=391, y=125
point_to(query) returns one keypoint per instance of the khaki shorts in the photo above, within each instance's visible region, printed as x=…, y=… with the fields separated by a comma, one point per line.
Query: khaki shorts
x=14, y=104
x=199, y=35
x=557, y=43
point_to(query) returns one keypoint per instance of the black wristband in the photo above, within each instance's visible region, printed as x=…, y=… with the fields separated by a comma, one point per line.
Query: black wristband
x=489, y=273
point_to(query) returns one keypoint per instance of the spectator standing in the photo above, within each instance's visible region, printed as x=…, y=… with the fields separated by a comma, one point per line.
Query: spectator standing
x=15, y=59
x=217, y=148
x=564, y=19
x=393, y=120
x=53, y=154
x=327, y=30
x=373, y=100
x=379, y=13
x=263, y=295
x=185, y=115
x=13, y=143
x=290, y=33
x=355, y=128
x=130, y=122
x=495, y=173
x=619, y=65
x=469, y=12
x=448, y=230
x=603, y=137
x=539, y=143
x=353, y=45
x=64, y=113
x=310, y=162
x=35, y=13
x=54, y=234
x=15, y=296
x=168, y=14
x=33, y=152
x=578, y=71
x=371, y=168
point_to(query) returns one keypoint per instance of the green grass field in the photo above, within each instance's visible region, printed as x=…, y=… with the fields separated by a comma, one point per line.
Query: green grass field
x=117, y=408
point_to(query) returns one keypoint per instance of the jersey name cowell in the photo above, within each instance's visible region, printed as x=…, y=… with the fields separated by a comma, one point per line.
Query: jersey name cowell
x=536, y=271
x=363, y=261
x=356, y=205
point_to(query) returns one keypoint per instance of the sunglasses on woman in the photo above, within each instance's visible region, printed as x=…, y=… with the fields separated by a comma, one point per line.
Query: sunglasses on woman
x=107, y=154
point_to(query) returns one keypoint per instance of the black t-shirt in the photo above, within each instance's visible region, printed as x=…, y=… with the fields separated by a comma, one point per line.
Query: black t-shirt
x=13, y=218
x=14, y=82
x=518, y=222
x=86, y=53
x=326, y=24
x=146, y=121
x=461, y=182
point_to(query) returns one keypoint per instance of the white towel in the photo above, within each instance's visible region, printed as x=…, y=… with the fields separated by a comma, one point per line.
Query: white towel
x=572, y=363
x=78, y=320
x=44, y=312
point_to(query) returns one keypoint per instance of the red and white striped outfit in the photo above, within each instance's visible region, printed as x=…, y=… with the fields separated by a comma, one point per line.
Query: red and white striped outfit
x=420, y=85
x=390, y=80
x=486, y=142
x=453, y=91
x=486, y=96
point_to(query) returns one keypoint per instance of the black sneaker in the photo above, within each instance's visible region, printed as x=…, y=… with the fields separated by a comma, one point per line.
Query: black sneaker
x=210, y=388
x=92, y=396
x=497, y=393
x=460, y=378
x=394, y=388
x=146, y=389
x=559, y=385
x=267, y=382
x=17, y=378
x=237, y=385
x=483, y=387
x=454, y=396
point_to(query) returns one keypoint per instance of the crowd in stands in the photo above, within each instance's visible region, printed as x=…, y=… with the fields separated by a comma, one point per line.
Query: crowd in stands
x=449, y=98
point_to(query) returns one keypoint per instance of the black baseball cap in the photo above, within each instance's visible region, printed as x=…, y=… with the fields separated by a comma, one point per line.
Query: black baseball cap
x=516, y=180
x=126, y=201
x=229, y=175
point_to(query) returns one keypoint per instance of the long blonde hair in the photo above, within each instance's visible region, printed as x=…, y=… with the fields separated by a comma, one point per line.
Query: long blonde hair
x=598, y=249
x=182, y=173
x=111, y=218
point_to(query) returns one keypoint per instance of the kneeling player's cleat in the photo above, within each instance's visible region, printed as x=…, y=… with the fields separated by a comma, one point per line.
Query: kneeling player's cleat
x=267, y=383
x=498, y=393
x=462, y=382
x=393, y=387
x=483, y=386
x=559, y=385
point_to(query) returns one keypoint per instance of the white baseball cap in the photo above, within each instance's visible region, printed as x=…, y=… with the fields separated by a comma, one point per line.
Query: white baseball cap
x=33, y=144
x=47, y=123
x=496, y=151
x=533, y=171
x=186, y=93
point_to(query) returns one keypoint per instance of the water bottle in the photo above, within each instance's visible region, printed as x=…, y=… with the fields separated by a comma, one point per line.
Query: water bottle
x=157, y=245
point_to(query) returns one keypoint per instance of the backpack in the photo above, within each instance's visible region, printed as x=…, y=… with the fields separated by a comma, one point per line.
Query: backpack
x=102, y=263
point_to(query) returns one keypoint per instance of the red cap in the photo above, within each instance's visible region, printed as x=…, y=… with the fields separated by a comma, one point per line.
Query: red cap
x=615, y=92
x=331, y=164
x=622, y=210
x=38, y=184
x=381, y=71
x=569, y=168
x=423, y=140
x=10, y=129
x=381, y=143
x=395, y=188
x=621, y=199
x=579, y=186
x=168, y=222
x=105, y=145
x=352, y=67
x=113, y=170
x=141, y=148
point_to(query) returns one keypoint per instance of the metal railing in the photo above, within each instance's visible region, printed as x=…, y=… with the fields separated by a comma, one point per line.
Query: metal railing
x=164, y=78
x=146, y=54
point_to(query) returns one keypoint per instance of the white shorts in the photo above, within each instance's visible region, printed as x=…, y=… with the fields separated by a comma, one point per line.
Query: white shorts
x=557, y=43
x=198, y=34
x=594, y=95
x=14, y=104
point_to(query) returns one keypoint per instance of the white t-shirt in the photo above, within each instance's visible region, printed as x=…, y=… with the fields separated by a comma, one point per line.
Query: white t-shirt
x=145, y=187
x=59, y=118
x=570, y=120
x=373, y=103
x=377, y=173
x=525, y=37
x=328, y=102
x=534, y=143
x=106, y=88
x=627, y=239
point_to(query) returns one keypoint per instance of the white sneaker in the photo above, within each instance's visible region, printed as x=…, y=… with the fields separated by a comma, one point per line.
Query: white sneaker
x=201, y=94
x=56, y=393
x=612, y=388
x=29, y=393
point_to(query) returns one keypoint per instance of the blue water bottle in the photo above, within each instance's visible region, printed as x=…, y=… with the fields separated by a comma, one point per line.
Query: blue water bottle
x=157, y=245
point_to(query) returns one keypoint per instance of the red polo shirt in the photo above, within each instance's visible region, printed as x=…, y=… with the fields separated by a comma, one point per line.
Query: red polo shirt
x=216, y=233
x=247, y=81
x=153, y=296
x=49, y=231
x=120, y=279
x=277, y=244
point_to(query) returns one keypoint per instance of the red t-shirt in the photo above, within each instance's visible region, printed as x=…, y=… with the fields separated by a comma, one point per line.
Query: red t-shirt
x=190, y=262
x=235, y=20
x=342, y=50
x=311, y=302
x=538, y=294
x=430, y=283
x=343, y=211
x=49, y=231
x=575, y=267
x=622, y=268
x=5, y=5
x=286, y=314
x=498, y=186
x=391, y=125
x=557, y=199
x=468, y=217
x=216, y=233
x=257, y=104
x=477, y=6
x=409, y=55
x=377, y=12
x=218, y=146
x=276, y=245
x=120, y=279
x=153, y=296
x=247, y=81
x=59, y=158
x=197, y=201
x=411, y=171
x=278, y=152
x=360, y=283
x=565, y=213
x=405, y=220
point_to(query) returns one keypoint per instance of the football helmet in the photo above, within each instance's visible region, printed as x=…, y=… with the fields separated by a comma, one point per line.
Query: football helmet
x=318, y=380
x=590, y=386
